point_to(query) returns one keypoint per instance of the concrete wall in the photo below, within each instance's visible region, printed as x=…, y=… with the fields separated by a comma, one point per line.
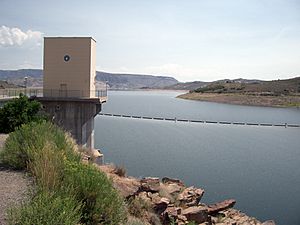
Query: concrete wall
x=93, y=67
x=75, y=116
x=72, y=78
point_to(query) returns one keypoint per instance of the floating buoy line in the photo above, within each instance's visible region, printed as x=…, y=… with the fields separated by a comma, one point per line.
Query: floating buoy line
x=201, y=121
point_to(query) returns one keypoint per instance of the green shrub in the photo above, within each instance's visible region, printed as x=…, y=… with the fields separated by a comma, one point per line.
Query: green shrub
x=138, y=207
x=101, y=202
x=47, y=167
x=48, y=209
x=18, y=111
x=210, y=88
x=28, y=140
x=49, y=154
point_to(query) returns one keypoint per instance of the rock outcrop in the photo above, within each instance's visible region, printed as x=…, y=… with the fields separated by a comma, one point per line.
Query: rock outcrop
x=174, y=203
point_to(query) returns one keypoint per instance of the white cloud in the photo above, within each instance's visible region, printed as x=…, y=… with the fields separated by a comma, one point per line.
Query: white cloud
x=16, y=37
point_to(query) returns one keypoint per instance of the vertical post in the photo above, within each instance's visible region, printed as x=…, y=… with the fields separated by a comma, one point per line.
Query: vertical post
x=105, y=89
x=25, y=84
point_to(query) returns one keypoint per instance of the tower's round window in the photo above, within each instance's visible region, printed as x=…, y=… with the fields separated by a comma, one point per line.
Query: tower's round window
x=66, y=58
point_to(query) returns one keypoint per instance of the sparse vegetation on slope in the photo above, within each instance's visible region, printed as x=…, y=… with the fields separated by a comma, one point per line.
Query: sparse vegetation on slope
x=66, y=189
x=281, y=93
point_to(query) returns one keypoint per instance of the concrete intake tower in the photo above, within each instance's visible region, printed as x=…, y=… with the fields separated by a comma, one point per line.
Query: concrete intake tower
x=70, y=97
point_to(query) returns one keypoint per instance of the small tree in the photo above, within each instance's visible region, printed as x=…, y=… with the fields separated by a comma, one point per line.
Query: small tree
x=18, y=111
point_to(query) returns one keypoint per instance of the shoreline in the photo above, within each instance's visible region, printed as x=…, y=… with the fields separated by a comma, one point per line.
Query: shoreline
x=291, y=101
x=171, y=200
x=167, y=199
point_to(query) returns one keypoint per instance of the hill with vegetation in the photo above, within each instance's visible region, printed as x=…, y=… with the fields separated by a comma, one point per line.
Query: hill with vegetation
x=4, y=84
x=114, y=80
x=282, y=93
x=274, y=87
x=200, y=84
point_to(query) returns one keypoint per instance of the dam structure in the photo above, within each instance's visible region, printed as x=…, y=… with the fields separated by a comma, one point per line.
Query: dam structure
x=69, y=94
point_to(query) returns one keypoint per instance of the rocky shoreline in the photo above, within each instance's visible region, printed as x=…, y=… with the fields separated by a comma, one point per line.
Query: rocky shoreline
x=166, y=201
x=174, y=203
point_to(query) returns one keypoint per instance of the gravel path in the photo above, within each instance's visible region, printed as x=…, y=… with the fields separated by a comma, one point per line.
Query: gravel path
x=13, y=187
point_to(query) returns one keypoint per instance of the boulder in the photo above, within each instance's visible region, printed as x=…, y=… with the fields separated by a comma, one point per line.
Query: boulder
x=215, y=208
x=126, y=186
x=170, y=214
x=150, y=184
x=159, y=204
x=181, y=219
x=190, y=196
x=198, y=214
x=172, y=189
x=167, y=180
x=269, y=222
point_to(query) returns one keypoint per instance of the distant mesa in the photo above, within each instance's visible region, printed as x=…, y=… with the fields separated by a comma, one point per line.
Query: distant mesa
x=113, y=80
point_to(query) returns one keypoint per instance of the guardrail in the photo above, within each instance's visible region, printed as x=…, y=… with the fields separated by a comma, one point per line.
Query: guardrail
x=40, y=92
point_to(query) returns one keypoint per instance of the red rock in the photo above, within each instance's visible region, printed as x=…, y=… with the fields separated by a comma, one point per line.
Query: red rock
x=167, y=180
x=150, y=184
x=197, y=214
x=160, y=204
x=214, y=208
x=269, y=222
x=127, y=186
x=170, y=214
x=181, y=218
x=191, y=196
x=172, y=189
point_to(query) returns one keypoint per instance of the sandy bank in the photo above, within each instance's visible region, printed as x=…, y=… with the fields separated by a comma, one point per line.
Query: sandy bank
x=245, y=99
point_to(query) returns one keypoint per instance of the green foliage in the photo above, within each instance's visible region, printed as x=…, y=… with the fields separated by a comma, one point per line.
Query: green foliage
x=64, y=183
x=47, y=208
x=211, y=88
x=102, y=204
x=29, y=140
x=47, y=168
x=18, y=111
x=138, y=206
x=192, y=223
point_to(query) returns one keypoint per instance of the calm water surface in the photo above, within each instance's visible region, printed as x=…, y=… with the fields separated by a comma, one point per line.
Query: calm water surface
x=257, y=166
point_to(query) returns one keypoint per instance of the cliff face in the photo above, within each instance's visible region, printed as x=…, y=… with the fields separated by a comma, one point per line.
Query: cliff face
x=115, y=81
x=131, y=81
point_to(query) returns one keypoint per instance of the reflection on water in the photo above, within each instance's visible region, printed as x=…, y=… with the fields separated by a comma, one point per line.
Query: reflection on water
x=258, y=166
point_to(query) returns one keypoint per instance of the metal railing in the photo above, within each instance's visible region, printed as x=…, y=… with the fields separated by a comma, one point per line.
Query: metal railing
x=55, y=93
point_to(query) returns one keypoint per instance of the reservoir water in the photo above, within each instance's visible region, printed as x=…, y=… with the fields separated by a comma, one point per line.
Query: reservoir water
x=258, y=166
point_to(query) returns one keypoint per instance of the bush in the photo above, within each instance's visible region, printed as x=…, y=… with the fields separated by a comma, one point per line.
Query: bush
x=210, y=88
x=101, y=202
x=120, y=171
x=47, y=167
x=139, y=207
x=29, y=140
x=49, y=154
x=17, y=112
x=48, y=209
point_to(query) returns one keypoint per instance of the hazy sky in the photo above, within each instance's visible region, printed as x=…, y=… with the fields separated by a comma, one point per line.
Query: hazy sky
x=188, y=39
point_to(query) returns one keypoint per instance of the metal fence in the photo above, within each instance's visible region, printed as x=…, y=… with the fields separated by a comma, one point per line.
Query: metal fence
x=40, y=92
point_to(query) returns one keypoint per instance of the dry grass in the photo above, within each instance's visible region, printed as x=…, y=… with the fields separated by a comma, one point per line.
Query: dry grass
x=120, y=171
x=47, y=167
